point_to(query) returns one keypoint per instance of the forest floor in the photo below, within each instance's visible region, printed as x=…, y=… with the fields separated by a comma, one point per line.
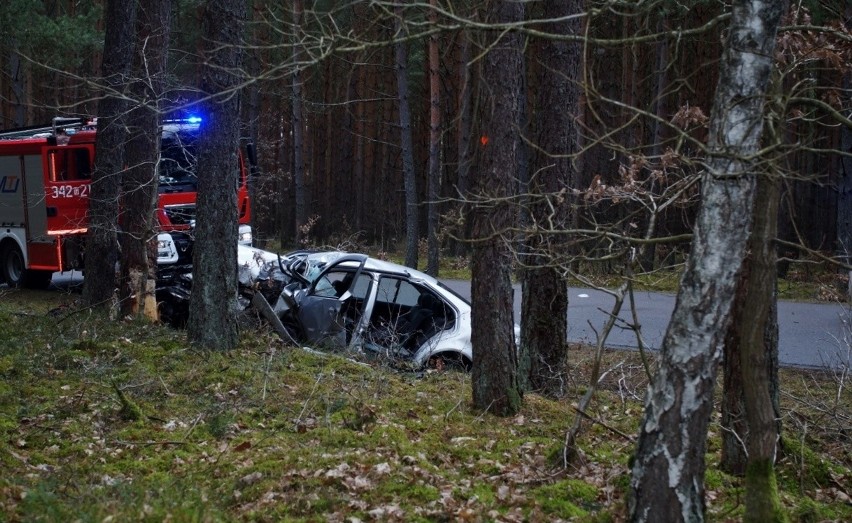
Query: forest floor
x=104, y=420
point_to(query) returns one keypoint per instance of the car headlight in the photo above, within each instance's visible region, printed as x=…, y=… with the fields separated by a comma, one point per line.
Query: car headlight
x=166, y=249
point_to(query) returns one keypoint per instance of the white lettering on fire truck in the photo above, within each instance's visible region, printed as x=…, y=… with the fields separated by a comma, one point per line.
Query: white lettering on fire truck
x=70, y=191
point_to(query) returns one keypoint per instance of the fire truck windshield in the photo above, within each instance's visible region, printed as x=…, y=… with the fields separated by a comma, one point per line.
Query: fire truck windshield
x=178, y=164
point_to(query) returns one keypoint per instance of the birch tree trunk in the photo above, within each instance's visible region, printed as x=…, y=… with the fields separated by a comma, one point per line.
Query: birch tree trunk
x=102, y=239
x=212, y=312
x=494, y=376
x=667, y=481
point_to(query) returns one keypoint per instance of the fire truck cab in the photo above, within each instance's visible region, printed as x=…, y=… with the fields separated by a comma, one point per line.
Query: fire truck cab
x=44, y=195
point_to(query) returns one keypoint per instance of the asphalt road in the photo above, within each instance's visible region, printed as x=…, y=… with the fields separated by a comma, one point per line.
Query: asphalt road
x=813, y=335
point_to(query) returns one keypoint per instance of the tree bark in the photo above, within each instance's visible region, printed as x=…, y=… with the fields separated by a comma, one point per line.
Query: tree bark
x=545, y=293
x=138, y=237
x=734, y=454
x=298, y=125
x=667, y=481
x=463, y=139
x=760, y=342
x=494, y=376
x=212, y=313
x=102, y=240
x=412, y=234
x=755, y=309
x=434, y=177
x=844, y=200
x=18, y=84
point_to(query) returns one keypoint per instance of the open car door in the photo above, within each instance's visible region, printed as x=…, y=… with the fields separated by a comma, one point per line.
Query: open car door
x=333, y=306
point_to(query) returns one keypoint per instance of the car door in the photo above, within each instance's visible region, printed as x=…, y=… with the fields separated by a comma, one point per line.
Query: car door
x=397, y=317
x=332, y=307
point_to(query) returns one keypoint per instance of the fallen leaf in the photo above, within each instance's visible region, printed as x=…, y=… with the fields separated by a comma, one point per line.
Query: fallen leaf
x=245, y=445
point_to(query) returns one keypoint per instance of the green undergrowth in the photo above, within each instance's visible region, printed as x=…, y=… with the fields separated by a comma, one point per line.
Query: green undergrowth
x=122, y=421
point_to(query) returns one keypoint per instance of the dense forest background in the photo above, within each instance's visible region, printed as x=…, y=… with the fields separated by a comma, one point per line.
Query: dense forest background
x=538, y=137
x=646, y=87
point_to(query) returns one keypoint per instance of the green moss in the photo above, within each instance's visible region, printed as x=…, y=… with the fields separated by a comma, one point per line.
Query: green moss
x=714, y=479
x=762, y=503
x=129, y=411
x=42, y=503
x=218, y=424
x=561, y=508
x=417, y=493
x=484, y=492
x=565, y=498
x=808, y=510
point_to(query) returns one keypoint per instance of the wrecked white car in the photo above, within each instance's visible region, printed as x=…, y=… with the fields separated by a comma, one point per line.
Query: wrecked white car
x=340, y=301
x=380, y=309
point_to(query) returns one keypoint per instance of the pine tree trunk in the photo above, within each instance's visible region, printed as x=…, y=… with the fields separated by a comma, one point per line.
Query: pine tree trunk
x=434, y=178
x=755, y=308
x=138, y=238
x=298, y=127
x=102, y=239
x=545, y=292
x=844, y=200
x=463, y=139
x=667, y=481
x=412, y=235
x=18, y=82
x=761, y=500
x=212, y=312
x=496, y=387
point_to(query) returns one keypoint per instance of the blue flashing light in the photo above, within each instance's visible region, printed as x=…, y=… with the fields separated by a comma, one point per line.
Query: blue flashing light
x=194, y=119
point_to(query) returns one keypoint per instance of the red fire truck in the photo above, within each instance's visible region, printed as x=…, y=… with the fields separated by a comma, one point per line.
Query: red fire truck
x=44, y=194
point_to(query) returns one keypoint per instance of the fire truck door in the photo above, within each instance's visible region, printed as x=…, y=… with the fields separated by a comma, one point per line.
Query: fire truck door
x=22, y=196
x=68, y=171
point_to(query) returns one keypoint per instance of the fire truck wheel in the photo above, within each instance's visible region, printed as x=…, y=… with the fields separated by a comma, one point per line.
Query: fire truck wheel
x=12, y=270
x=11, y=265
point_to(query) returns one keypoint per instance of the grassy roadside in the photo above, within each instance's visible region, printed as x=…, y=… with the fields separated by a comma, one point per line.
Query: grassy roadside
x=122, y=421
